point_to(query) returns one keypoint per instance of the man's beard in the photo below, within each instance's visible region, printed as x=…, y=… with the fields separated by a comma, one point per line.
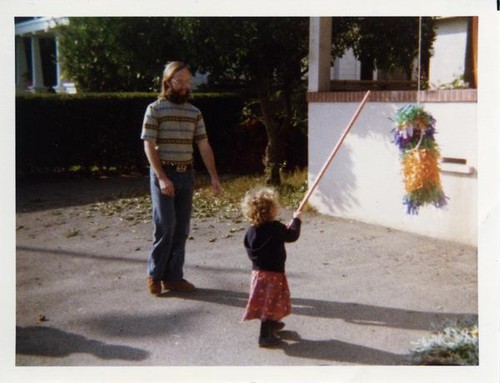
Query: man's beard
x=176, y=97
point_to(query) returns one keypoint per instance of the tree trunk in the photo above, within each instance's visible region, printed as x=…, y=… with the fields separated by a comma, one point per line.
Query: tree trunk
x=272, y=155
x=272, y=163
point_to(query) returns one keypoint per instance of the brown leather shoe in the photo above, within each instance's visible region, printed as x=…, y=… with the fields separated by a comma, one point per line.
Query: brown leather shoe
x=154, y=286
x=181, y=285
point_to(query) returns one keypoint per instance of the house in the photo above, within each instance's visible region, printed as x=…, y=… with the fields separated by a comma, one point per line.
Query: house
x=454, y=44
x=37, y=56
x=454, y=61
x=364, y=181
x=38, y=67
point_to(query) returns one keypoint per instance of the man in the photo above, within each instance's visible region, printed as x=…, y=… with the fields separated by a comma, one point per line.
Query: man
x=170, y=127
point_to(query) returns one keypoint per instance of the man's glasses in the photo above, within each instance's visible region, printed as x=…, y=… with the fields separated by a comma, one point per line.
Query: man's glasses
x=182, y=82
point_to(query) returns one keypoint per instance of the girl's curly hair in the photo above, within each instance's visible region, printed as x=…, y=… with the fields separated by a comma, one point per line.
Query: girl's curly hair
x=260, y=205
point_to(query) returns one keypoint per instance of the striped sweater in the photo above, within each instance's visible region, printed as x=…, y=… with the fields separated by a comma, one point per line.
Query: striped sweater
x=174, y=128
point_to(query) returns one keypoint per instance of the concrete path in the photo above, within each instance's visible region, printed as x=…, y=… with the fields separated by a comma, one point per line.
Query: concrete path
x=361, y=294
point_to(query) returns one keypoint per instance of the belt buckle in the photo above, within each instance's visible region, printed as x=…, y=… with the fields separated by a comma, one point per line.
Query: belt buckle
x=181, y=168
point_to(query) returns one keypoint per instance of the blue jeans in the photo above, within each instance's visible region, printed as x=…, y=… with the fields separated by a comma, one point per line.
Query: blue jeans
x=171, y=220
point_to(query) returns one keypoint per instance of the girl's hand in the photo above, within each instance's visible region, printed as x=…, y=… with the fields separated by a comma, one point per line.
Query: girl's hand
x=296, y=215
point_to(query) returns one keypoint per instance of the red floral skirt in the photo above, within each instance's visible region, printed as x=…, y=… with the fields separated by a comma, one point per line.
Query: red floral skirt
x=269, y=296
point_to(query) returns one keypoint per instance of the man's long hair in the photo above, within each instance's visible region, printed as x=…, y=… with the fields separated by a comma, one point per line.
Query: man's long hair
x=170, y=70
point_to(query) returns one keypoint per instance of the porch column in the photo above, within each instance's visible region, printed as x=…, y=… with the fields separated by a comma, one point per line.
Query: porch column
x=21, y=66
x=36, y=66
x=320, y=42
x=59, y=86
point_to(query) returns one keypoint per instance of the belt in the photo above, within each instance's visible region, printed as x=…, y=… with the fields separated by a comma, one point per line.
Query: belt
x=179, y=168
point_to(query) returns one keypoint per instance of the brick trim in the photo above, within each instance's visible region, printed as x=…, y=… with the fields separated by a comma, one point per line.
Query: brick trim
x=452, y=95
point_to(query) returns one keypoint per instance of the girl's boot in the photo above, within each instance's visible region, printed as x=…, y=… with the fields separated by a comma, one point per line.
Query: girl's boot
x=267, y=337
x=276, y=326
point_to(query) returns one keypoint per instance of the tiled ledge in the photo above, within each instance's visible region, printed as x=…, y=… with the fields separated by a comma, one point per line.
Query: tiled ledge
x=453, y=95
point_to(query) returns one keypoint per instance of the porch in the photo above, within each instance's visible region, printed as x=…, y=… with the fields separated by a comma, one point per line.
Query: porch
x=364, y=181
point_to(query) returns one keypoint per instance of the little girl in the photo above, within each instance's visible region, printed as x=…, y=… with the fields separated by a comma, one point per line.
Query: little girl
x=269, y=298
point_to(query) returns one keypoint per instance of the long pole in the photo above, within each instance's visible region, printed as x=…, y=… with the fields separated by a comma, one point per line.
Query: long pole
x=419, y=58
x=333, y=153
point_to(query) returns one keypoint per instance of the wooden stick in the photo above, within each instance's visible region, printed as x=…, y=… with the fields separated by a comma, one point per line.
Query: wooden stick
x=333, y=153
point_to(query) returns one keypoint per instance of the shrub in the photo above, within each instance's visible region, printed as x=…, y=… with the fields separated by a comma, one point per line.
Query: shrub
x=101, y=132
x=456, y=343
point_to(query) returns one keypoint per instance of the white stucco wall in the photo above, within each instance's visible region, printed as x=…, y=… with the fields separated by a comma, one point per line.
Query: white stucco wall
x=364, y=181
x=346, y=67
x=448, y=61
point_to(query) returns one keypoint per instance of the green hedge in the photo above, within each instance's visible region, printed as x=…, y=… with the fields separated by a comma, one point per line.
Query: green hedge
x=88, y=132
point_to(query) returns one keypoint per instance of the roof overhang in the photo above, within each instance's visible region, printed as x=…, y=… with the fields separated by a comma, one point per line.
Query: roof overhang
x=40, y=25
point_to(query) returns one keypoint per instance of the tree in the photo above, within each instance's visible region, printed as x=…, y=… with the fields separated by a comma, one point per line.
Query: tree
x=384, y=43
x=269, y=56
x=104, y=54
x=265, y=55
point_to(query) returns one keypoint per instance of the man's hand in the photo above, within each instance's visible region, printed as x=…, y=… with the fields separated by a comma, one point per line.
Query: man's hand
x=217, y=187
x=166, y=187
x=207, y=156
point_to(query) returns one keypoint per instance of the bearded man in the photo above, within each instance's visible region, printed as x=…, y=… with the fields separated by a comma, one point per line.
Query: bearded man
x=171, y=125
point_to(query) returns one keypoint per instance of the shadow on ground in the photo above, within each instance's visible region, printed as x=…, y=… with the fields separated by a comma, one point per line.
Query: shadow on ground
x=331, y=350
x=51, y=342
x=59, y=192
x=335, y=350
x=360, y=314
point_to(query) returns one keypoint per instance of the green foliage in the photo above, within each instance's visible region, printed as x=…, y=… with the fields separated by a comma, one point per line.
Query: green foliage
x=246, y=49
x=108, y=54
x=456, y=343
x=385, y=43
x=127, y=53
x=457, y=83
x=264, y=55
x=100, y=132
x=81, y=132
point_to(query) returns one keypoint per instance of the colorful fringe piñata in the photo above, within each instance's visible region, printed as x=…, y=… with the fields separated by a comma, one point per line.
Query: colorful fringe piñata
x=414, y=136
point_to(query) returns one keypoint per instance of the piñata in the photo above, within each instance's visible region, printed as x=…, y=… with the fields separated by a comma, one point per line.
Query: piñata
x=414, y=136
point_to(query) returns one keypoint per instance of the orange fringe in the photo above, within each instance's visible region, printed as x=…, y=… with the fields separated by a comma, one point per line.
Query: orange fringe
x=420, y=169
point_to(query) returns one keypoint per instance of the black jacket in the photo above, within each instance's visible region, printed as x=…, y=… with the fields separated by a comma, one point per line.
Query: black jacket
x=265, y=244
